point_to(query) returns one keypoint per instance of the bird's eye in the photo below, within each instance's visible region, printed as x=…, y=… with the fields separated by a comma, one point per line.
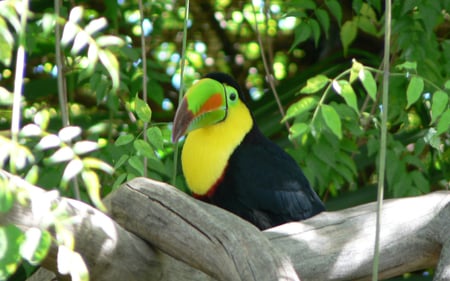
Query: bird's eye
x=233, y=96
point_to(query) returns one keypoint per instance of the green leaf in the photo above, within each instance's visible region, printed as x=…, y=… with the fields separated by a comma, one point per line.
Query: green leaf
x=302, y=33
x=344, y=88
x=298, y=129
x=444, y=122
x=6, y=197
x=121, y=161
x=155, y=137
x=335, y=9
x=315, y=28
x=6, y=43
x=355, y=70
x=144, y=148
x=438, y=105
x=324, y=20
x=137, y=163
x=32, y=175
x=315, y=84
x=143, y=111
x=10, y=239
x=408, y=66
x=303, y=105
x=332, y=119
x=92, y=183
x=447, y=84
x=368, y=82
x=348, y=34
x=36, y=245
x=124, y=139
x=414, y=90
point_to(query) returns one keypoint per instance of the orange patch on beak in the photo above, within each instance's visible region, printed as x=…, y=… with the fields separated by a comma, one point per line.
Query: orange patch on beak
x=214, y=102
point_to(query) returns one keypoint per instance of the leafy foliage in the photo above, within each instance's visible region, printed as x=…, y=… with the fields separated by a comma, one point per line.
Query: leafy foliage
x=324, y=55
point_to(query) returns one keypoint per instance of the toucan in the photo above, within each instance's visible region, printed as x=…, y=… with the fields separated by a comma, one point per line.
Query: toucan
x=228, y=162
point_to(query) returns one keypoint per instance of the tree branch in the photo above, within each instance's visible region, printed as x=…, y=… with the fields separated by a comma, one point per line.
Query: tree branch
x=189, y=237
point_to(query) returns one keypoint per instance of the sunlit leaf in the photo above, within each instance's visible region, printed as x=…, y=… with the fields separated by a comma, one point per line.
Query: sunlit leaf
x=369, y=84
x=447, y=84
x=48, y=23
x=49, y=141
x=32, y=175
x=303, y=105
x=6, y=197
x=76, y=14
x=6, y=43
x=73, y=168
x=95, y=25
x=69, y=32
x=84, y=146
x=357, y=67
x=31, y=130
x=124, y=139
x=10, y=239
x=143, y=110
x=6, y=97
x=111, y=64
x=94, y=163
x=414, y=90
x=68, y=133
x=109, y=40
x=36, y=245
x=332, y=119
x=439, y=104
x=315, y=84
x=345, y=89
x=80, y=41
x=42, y=118
x=61, y=155
x=92, y=183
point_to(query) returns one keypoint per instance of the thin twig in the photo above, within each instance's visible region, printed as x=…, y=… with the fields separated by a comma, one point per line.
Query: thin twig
x=18, y=85
x=181, y=90
x=269, y=76
x=144, y=76
x=61, y=78
x=383, y=148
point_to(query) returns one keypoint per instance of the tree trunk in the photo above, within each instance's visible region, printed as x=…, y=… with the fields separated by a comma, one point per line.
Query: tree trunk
x=170, y=236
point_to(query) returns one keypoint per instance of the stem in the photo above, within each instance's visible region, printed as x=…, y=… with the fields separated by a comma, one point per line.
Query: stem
x=269, y=76
x=62, y=89
x=18, y=86
x=144, y=75
x=384, y=117
x=180, y=93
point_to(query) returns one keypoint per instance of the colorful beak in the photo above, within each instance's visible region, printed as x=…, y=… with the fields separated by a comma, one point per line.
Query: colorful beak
x=203, y=105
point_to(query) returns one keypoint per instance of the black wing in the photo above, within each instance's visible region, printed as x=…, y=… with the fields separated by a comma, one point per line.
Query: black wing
x=266, y=186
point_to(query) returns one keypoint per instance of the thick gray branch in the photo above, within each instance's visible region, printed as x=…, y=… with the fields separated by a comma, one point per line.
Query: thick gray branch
x=188, y=237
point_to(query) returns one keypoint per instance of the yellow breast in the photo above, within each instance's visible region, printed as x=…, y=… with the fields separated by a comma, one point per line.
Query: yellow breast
x=207, y=150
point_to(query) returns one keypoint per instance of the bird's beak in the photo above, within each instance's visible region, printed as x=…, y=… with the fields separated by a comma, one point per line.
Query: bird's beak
x=203, y=105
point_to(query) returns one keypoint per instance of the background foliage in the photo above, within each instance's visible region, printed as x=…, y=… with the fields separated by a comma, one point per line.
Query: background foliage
x=324, y=58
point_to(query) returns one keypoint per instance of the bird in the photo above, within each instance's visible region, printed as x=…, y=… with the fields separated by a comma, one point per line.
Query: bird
x=228, y=162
